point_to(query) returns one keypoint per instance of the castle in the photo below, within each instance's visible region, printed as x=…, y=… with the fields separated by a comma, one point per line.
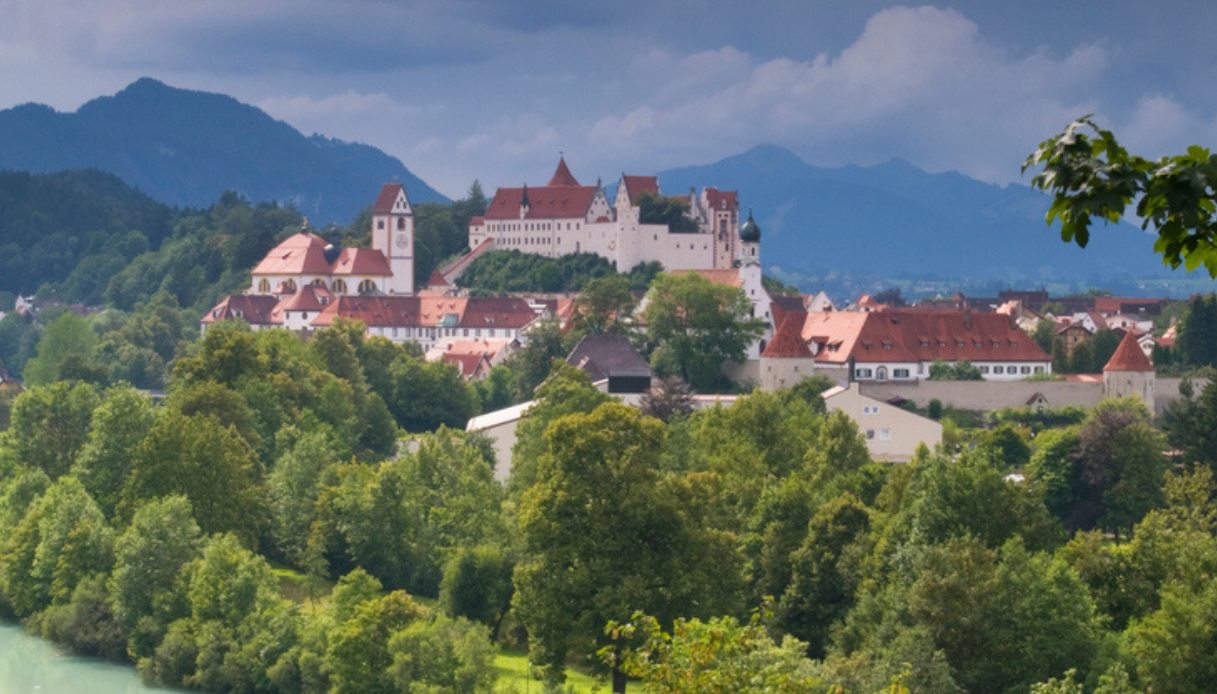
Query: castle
x=564, y=217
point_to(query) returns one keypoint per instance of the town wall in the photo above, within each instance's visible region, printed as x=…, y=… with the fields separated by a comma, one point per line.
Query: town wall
x=988, y=395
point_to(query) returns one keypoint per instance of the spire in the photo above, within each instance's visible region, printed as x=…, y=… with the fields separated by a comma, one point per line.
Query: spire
x=1128, y=356
x=562, y=175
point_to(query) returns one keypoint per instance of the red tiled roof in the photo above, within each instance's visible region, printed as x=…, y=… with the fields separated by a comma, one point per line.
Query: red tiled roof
x=298, y=254
x=361, y=261
x=788, y=342
x=437, y=279
x=380, y=311
x=388, y=196
x=721, y=199
x=429, y=311
x=636, y=185
x=468, y=364
x=1128, y=356
x=562, y=175
x=255, y=309
x=306, y=298
x=496, y=312
x=549, y=202
x=897, y=335
x=477, y=221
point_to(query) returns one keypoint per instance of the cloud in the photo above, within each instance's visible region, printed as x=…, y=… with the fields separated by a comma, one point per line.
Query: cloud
x=920, y=83
x=1160, y=125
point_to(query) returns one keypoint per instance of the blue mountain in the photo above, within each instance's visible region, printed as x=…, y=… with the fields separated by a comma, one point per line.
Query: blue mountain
x=187, y=147
x=896, y=220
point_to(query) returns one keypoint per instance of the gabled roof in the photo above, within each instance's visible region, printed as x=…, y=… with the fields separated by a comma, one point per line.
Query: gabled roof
x=901, y=335
x=298, y=254
x=636, y=185
x=255, y=309
x=437, y=279
x=306, y=298
x=388, y=196
x=562, y=175
x=549, y=202
x=470, y=365
x=1128, y=356
x=721, y=199
x=361, y=261
x=788, y=342
x=496, y=312
x=602, y=355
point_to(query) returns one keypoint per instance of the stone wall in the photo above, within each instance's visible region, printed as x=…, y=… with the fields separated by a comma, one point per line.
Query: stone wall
x=988, y=395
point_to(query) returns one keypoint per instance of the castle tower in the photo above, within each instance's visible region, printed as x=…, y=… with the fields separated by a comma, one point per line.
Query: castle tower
x=393, y=235
x=1128, y=373
x=750, y=242
x=787, y=360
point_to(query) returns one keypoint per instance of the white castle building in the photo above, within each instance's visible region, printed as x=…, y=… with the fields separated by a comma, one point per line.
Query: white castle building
x=565, y=217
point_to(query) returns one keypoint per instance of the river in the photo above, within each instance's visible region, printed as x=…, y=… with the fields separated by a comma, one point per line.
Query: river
x=29, y=665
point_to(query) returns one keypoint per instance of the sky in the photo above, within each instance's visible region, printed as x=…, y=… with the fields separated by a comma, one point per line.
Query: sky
x=494, y=90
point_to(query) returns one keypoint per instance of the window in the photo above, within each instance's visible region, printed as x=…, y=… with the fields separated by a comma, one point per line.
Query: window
x=870, y=434
x=264, y=286
x=380, y=224
x=998, y=369
x=900, y=373
x=1024, y=369
x=862, y=373
x=870, y=409
x=401, y=222
x=367, y=287
x=881, y=373
x=885, y=434
x=1039, y=369
x=339, y=287
x=984, y=369
x=289, y=286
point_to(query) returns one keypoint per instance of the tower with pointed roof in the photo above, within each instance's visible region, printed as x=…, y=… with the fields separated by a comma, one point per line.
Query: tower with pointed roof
x=393, y=236
x=750, y=242
x=787, y=359
x=1129, y=373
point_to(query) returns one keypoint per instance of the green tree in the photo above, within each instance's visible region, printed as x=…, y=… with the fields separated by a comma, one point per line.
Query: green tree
x=293, y=487
x=50, y=425
x=601, y=537
x=358, y=656
x=954, y=371
x=1119, y=466
x=68, y=339
x=147, y=590
x=427, y=394
x=477, y=585
x=661, y=209
x=62, y=540
x=696, y=325
x=1197, y=343
x=1176, y=646
x=719, y=656
x=1089, y=175
x=118, y=425
x=209, y=464
x=442, y=655
x=604, y=306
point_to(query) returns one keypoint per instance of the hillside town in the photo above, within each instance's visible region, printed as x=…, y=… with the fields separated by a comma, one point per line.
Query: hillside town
x=877, y=354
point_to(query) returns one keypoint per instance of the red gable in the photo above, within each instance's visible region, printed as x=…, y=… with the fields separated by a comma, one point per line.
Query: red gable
x=562, y=175
x=1128, y=356
x=636, y=185
x=788, y=342
x=549, y=202
x=361, y=261
x=298, y=254
x=255, y=309
x=721, y=199
x=388, y=196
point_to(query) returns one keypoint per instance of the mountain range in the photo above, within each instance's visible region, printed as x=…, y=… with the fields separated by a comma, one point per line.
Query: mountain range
x=893, y=219
x=186, y=147
x=896, y=220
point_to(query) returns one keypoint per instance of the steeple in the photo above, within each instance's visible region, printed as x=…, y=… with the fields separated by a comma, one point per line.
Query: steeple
x=562, y=175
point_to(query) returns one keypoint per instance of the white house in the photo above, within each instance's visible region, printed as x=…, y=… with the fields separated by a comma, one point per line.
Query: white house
x=892, y=433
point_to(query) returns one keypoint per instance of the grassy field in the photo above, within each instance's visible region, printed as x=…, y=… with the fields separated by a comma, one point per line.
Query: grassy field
x=512, y=667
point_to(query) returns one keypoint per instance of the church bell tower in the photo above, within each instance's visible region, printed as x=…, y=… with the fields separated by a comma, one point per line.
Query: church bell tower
x=393, y=236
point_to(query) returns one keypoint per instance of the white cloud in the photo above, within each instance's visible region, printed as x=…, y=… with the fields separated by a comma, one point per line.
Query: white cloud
x=920, y=83
x=1161, y=125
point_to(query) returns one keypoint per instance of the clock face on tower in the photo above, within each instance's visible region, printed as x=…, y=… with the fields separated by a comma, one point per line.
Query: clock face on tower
x=402, y=241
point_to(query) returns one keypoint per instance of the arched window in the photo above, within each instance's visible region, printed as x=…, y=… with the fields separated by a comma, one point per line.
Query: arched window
x=319, y=282
x=401, y=222
x=264, y=286
x=367, y=287
x=289, y=286
x=339, y=287
x=881, y=373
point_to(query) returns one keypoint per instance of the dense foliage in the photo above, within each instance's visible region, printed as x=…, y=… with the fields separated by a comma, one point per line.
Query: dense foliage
x=499, y=272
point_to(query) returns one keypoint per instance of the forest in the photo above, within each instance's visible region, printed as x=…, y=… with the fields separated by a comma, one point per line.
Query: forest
x=260, y=529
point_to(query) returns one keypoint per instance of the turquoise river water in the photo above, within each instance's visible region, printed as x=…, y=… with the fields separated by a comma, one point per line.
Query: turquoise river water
x=29, y=665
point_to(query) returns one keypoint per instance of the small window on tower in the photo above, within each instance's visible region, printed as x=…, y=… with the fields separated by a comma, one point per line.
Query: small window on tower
x=380, y=224
x=401, y=222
